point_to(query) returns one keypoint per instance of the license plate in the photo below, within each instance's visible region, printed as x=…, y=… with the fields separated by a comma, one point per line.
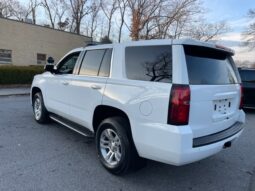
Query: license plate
x=222, y=106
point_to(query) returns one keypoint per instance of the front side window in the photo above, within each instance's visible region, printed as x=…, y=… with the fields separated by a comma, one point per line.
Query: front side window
x=149, y=63
x=5, y=56
x=66, y=66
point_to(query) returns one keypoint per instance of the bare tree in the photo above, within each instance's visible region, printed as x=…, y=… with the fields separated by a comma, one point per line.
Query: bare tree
x=51, y=13
x=6, y=8
x=172, y=18
x=108, y=10
x=161, y=18
x=122, y=6
x=56, y=10
x=13, y=9
x=105, y=40
x=145, y=19
x=79, y=9
x=93, y=16
x=142, y=12
x=63, y=25
x=19, y=11
x=249, y=33
x=207, y=31
x=32, y=7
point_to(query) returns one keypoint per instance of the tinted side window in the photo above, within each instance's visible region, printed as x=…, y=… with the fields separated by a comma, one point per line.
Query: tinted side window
x=250, y=77
x=247, y=75
x=91, y=62
x=242, y=75
x=106, y=64
x=149, y=63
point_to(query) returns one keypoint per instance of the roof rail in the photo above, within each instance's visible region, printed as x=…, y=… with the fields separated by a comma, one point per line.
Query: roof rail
x=92, y=44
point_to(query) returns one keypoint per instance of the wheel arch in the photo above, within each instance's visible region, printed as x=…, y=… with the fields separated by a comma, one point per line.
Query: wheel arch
x=34, y=90
x=102, y=112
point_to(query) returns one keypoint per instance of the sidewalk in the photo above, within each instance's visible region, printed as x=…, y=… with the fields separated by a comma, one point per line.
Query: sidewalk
x=14, y=91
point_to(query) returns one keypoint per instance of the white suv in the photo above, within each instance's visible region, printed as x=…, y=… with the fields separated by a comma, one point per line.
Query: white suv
x=173, y=101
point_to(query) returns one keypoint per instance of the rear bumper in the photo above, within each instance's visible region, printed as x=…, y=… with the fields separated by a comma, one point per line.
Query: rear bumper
x=198, y=153
x=175, y=144
x=217, y=137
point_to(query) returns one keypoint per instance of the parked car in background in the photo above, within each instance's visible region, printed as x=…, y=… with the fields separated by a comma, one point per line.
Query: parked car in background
x=172, y=101
x=248, y=81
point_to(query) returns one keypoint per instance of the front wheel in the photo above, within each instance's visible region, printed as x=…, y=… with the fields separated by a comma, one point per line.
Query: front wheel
x=115, y=148
x=40, y=112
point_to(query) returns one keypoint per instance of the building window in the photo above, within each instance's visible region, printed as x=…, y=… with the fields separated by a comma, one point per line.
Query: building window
x=5, y=56
x=41, y=58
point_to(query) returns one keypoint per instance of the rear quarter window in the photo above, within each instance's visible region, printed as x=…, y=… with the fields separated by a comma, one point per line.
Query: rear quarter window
x=210, y=66
x=149, y=63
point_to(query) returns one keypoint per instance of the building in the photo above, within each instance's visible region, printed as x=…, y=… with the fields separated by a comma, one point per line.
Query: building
x=24, y=43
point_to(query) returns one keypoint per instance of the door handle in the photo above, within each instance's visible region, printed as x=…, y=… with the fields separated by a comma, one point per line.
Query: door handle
x=65, y=83
x=95, y=87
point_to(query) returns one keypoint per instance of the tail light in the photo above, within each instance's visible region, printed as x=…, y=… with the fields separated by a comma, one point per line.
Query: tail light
x=179, y=105
x=241, y=97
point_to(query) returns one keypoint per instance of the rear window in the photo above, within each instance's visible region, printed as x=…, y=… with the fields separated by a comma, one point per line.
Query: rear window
x=210, y=66
x=149, y=63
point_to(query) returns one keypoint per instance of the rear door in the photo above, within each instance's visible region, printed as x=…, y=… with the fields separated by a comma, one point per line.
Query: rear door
x=215, y=90
x=87, y=87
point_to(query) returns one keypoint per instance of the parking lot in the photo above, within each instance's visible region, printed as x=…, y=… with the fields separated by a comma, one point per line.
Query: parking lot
x=51, y=157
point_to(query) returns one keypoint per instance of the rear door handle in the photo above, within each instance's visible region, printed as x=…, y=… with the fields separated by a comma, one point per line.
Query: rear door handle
x=65, y=83
x=95, y=87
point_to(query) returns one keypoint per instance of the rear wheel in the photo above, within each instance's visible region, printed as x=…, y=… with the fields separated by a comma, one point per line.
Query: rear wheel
x=40, y=112
x=115, y=149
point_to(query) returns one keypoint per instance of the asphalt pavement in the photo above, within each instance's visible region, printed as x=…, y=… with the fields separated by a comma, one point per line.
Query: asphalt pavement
x=51, y=157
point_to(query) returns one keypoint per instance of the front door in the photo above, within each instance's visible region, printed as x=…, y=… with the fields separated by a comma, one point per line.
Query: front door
x=57, y=86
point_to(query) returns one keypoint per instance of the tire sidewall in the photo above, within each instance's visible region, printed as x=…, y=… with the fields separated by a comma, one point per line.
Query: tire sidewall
x=44, y=114
x=125, y=146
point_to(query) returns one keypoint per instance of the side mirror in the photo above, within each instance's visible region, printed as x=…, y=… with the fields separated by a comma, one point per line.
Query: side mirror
x=49, y=68
x=50, y=60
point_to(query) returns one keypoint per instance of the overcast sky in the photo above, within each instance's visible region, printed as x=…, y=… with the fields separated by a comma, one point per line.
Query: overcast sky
x=235, y=13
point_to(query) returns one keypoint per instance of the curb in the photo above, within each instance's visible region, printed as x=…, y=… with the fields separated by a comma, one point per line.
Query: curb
x=10, y=86
x=19, y=94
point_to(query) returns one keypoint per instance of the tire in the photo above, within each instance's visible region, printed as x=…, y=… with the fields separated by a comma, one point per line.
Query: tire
x=40, y=112
x=122, y=151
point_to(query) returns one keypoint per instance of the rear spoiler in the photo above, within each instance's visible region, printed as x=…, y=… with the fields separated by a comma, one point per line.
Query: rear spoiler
x=193, y=42
x=220, y=47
